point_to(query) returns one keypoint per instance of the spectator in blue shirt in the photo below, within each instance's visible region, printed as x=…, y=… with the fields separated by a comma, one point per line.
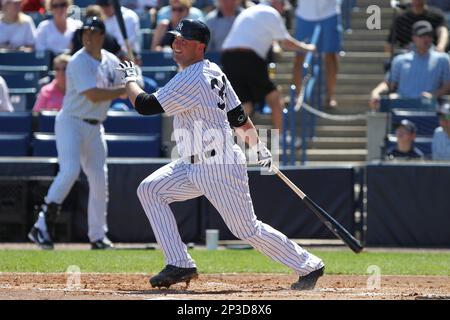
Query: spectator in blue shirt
x=423, y=72
x=440, y=145
x=404, y=149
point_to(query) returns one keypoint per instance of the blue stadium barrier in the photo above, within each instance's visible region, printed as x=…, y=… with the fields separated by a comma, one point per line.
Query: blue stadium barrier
x=22, y=80
x=15, y=122
x=158, y=66
x=131, y=122
x=44, y=145
x=14, y=145
x=425, y=121
x=83, y=3
x=386, y=104
x=145, y=38
x=157, y=59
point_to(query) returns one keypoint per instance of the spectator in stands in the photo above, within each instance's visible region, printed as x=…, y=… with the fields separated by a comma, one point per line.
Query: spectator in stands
x=220, y=21
x=5, y=102
x=56, y=34
x=405, y=131
x=423, y=72
x=327, y=13
x=401, y=30
x=131, y=25
x=245, y=51
x=18, y=31
x=165, y=13
x=139, y=6
x=440, y=145
x=51, y=95
x=110, y=44
x=162, y=39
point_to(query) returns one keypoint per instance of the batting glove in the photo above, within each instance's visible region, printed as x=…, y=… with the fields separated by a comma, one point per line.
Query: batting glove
x=129, y=70
x=264, y=156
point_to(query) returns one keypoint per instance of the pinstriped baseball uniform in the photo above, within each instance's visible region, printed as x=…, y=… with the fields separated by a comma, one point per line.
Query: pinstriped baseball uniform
x=82, y=144
x=199, y=98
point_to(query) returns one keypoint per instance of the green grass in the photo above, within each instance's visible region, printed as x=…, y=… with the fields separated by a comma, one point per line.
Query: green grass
x=222, y=261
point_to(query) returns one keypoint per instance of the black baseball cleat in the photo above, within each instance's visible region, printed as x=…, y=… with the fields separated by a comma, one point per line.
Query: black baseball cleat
x=171, y=275
x=38, y=237
x=308, y=282
x=102, y=244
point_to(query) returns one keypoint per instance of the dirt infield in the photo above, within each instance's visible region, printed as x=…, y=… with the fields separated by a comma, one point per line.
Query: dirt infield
x=219, y=286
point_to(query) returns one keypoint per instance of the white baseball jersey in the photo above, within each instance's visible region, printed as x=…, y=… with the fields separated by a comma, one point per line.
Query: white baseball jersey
x=201, y=94
x=81, y=144
x=83, y=73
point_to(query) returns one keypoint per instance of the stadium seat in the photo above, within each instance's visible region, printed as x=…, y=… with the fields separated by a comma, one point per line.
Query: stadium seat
x=133, y=145
x=158, y=66
x=145, y=20
x=22, y=101
x=22, y=80
x=44, y=145
x=46, y=121
x=15, y=122
x=145, y=38
x=132, y=123
x=18, y=61
x=14, y=145
x=425, y=121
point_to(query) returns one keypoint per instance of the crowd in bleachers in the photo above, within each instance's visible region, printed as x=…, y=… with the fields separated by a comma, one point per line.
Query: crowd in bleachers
x=33, y=26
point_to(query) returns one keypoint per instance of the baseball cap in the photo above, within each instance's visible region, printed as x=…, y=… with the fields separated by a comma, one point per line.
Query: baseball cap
x=422, y=28
x=94, y=23
x=408, y=125
x=191, y=29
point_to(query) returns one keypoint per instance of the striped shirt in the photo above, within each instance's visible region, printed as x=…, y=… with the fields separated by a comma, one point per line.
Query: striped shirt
x=414, y=74
x=199, y=98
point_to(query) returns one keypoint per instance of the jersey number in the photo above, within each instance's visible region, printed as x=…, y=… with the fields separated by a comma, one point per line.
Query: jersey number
x=214, y=85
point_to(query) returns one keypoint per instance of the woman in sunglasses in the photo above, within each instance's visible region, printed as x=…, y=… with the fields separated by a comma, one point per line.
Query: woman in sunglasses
x=56, y=34
x=162, y=39
x=18, y=31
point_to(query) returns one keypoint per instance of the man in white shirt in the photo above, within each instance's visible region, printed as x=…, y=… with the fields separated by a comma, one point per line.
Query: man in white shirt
x=440, y=146
x=131, y=20
x=245, y=51
x=327, y=13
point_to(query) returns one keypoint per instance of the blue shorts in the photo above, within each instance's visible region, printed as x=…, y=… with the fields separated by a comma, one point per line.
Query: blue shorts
x=330, y=36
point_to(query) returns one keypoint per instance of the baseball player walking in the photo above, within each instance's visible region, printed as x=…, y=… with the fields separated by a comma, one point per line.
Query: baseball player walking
x=90, y=86
x=205, y=107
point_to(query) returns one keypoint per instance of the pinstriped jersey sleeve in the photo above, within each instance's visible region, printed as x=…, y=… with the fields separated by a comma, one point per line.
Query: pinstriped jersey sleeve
x=179, y=95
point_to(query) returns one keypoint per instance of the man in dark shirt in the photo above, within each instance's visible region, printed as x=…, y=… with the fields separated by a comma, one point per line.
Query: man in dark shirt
x=405, y=149
x=401, y=30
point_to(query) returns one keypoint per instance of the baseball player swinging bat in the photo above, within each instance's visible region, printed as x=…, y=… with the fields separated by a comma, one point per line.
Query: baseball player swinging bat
x=328, y=220
x=123, y=30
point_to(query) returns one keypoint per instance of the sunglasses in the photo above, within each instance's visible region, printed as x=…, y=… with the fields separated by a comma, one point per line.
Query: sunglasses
x=178, y=9
x=59, y=5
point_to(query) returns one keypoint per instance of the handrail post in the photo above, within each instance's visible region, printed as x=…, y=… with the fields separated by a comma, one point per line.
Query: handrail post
x=292, y=121
x=284, y=133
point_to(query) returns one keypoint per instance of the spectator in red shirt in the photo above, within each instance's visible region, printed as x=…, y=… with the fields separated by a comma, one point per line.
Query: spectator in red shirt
x=51, y=95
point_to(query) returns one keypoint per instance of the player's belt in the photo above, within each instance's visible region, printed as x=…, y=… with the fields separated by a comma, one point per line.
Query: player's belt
x=207, y=154
x=92, y=121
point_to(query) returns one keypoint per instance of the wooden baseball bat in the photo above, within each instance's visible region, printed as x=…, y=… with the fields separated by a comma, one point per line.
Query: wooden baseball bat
x=328, y=220
x=123, y=30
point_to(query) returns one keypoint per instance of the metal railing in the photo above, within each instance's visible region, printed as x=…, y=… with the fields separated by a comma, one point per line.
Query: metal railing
x=310, y=92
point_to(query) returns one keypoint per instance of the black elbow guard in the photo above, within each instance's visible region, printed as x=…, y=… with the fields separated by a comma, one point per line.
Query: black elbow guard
x=237, y=116
x=147, y=104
